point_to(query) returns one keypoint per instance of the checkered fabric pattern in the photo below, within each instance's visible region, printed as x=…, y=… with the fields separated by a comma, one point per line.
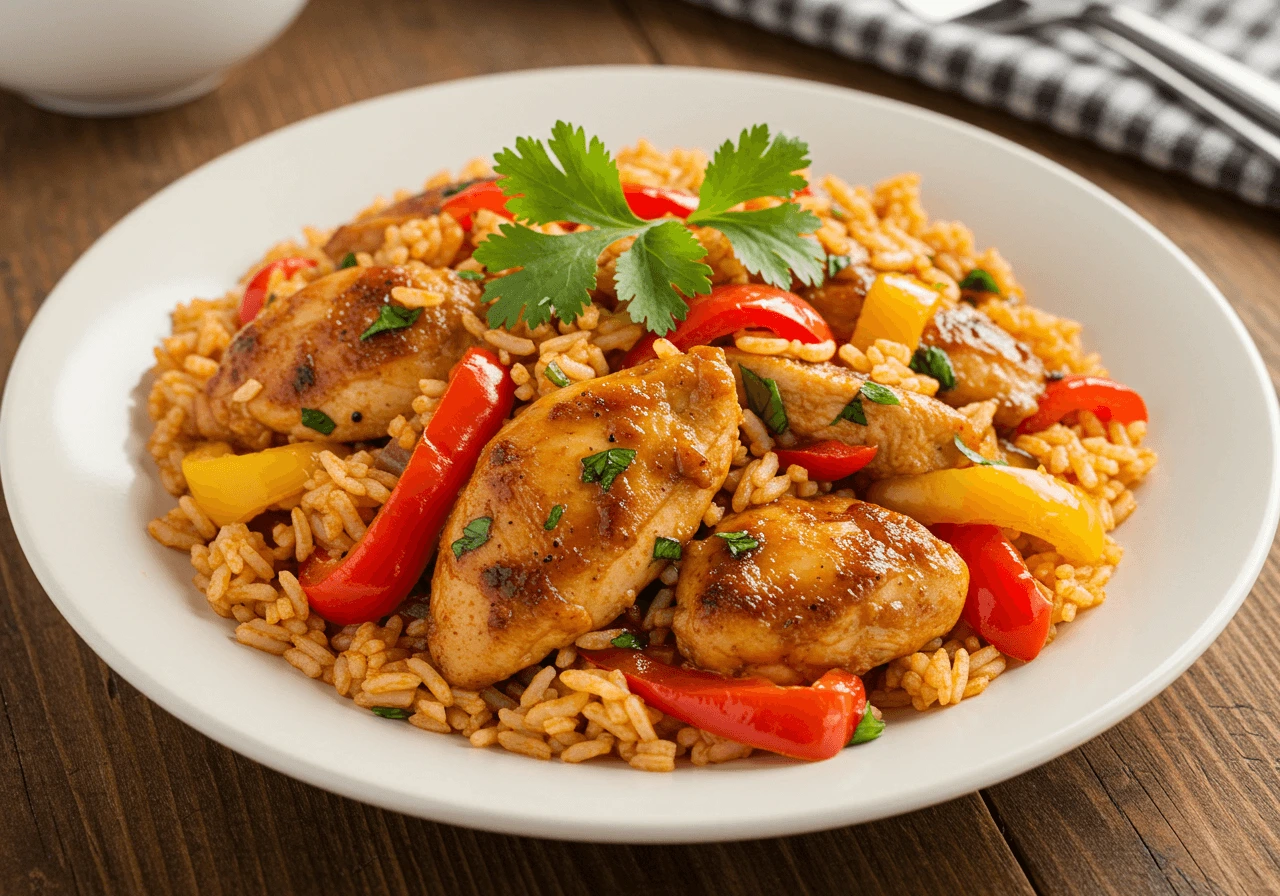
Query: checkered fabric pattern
x=1060, y=76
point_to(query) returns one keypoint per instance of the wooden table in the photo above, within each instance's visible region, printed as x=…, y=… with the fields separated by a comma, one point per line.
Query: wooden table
x=104, y=792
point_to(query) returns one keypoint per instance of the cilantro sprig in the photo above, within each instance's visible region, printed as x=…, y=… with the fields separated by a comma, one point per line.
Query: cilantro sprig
x=553, y=274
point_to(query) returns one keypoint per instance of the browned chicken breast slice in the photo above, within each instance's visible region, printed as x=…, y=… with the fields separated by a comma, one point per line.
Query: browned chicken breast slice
x=366, y=234
x=915, y=436
x=988, y=364
x=835, y=582
x=545, y=577
x=306, y=352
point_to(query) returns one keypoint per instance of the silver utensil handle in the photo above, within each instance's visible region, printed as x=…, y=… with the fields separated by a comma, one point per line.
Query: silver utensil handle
x=1264, y=140
x=1234, y=82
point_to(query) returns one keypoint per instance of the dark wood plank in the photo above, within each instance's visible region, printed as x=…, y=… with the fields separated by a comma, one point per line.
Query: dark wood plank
x=107, y=793
x=1184, y=796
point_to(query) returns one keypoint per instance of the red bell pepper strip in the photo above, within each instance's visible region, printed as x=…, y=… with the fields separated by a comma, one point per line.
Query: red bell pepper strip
x=655, y=202
x=828, y=460
x=730, y=308
x=1079, y=392
x=255, y=292
x=485, y=194
x=1004, y=605
x=814, y=722
x=379, y=571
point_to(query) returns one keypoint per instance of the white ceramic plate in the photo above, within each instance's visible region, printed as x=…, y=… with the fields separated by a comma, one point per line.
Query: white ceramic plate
x=80, y=487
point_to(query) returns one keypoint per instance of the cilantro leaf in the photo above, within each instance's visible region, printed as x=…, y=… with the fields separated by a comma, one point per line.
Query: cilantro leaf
x=979, y=280
x=573, y=178
x=606, y=466
x=553, y=518
x=765, y=400
x=663, y=259
x=739, y=543
x=666, y=548
x=628, y=641
x=852, y=411
x=878, y=393
x=769, y=242
x=933, y=361
x=869, y=728
x=585, y=188
x=757, y=166
x=557, y=273
x=318, y=420
x=975, y=456
x=391, y=317
x=348, y=261
x=470, y=275
x=474, y=534
x=391, y=712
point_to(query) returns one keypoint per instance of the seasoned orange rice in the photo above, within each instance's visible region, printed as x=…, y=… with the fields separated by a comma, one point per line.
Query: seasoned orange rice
x=562, y=708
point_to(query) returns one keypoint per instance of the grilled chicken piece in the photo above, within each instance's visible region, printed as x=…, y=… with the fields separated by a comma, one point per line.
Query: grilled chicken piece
x=306, y=351
x=366, y=234
x=988, y=363
x=839, y=300
x=916, y=436
x=529, y=590
x=835, y=582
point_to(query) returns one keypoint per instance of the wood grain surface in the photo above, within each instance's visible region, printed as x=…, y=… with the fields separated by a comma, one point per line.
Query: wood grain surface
x=103, y=792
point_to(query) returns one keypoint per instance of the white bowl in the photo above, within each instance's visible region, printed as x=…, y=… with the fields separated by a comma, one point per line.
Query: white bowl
x=81, y=488
x=121, y=57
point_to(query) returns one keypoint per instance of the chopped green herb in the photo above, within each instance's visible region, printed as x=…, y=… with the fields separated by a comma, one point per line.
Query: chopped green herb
x=975, y=456
x=606, y=466
x=553, y=518
x=869, y=728
x=271, y=297
x=933, y=361
x=474, y=534
x=738, y=542
x=871, y=391
x=838, y=213
x=878, y=393
x=554, y=274
x=836, y=264
x=555, y=374
x=418, y=609
x=979, y=280
x=628, y=641
x=765, y=400
x=318, y=420
x=348, y=261
x=391, y=317
x=938, y=287
x=852, y=411
x=666, y=548
x=470, y=275
x=391, y=712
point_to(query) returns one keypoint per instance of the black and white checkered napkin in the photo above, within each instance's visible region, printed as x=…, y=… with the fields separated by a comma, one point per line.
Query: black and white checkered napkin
x=1060, y=76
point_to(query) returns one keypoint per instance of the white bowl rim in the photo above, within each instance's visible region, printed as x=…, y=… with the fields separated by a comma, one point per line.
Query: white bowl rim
x=792, y=820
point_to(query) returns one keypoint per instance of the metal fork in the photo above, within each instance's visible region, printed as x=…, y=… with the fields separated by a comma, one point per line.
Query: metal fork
x=1237, y=97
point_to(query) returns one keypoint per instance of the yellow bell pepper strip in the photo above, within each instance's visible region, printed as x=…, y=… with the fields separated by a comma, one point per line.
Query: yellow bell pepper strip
x=897, y=308
x=1010, y=497
x=234, y=488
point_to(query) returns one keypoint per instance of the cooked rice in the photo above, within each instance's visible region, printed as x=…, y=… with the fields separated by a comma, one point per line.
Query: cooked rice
x=564, y=708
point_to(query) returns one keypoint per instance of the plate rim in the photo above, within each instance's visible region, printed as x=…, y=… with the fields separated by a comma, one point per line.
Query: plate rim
x=788, y=820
